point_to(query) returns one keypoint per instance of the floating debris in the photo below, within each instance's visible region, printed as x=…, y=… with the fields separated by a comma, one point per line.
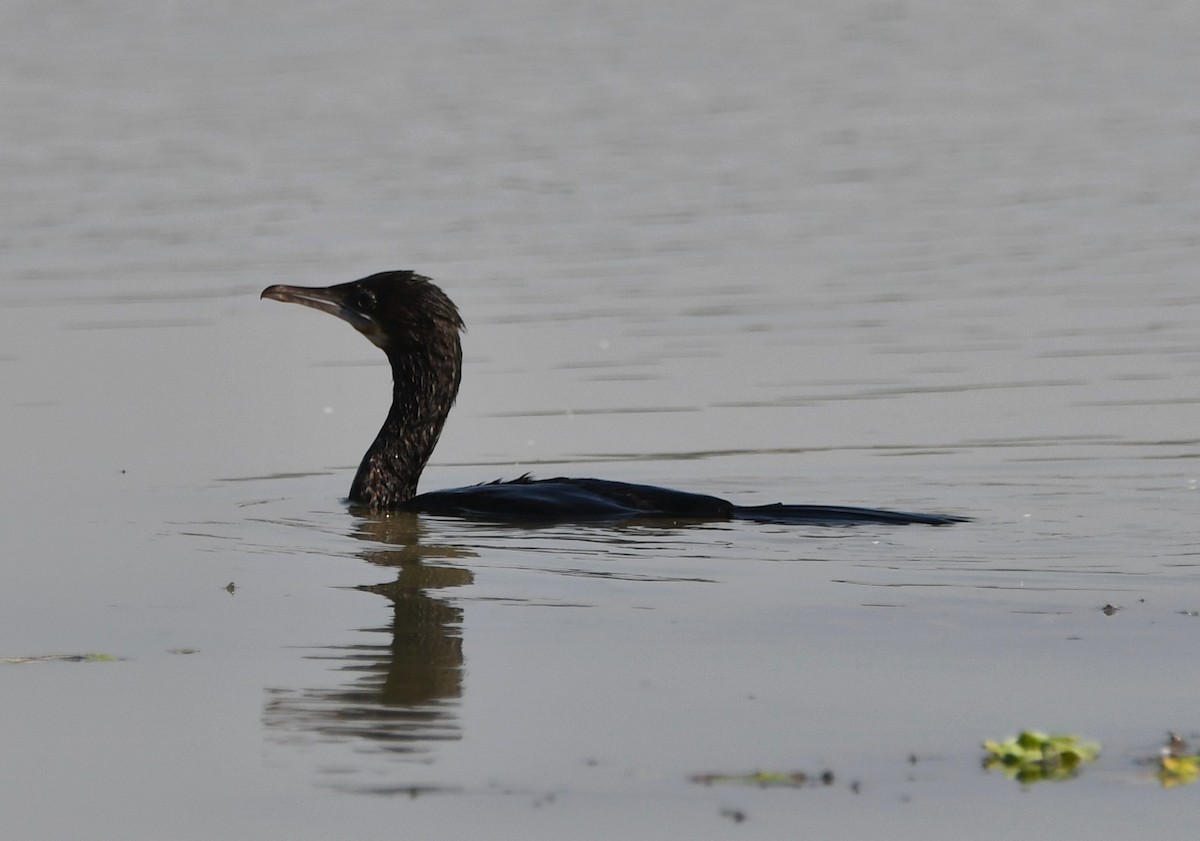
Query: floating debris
x=62, y=658
x=766, y=779
x=735, y=815
x=1177, y=767
x=1034, y=757
x=1176, y=771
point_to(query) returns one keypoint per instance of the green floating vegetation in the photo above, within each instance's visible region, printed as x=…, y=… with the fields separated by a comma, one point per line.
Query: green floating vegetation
x=1176, y=765
x=63, y=658
x=1176, y=771
x=766, y=779
x=1034, y=757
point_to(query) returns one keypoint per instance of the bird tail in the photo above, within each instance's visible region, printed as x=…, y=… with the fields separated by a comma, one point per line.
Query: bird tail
x=837, y=515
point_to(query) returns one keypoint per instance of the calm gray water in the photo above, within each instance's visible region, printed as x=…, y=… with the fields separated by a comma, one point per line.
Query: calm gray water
x=930, y=255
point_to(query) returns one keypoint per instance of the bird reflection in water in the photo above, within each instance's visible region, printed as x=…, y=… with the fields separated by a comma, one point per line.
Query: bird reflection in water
x=402, y=695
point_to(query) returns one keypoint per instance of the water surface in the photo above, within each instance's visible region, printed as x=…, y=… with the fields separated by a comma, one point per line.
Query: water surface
x=918, y=255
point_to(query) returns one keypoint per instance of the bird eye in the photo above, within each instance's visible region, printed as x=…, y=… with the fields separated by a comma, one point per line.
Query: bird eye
x=363, y=300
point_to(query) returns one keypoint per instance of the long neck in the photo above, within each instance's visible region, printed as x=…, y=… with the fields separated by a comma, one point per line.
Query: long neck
x=424, y=384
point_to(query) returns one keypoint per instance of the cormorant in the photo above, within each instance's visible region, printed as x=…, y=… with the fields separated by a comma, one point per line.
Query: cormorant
x=417, y=326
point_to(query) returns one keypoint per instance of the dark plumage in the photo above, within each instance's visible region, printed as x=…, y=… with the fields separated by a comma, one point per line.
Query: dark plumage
x=418, y=327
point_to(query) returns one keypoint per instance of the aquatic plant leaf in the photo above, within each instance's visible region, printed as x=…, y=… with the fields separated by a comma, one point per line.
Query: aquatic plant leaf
x=1033, y=756
x=1178, y=770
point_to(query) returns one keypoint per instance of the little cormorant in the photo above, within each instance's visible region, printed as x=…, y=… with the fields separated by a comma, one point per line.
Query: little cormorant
x=417, y=326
